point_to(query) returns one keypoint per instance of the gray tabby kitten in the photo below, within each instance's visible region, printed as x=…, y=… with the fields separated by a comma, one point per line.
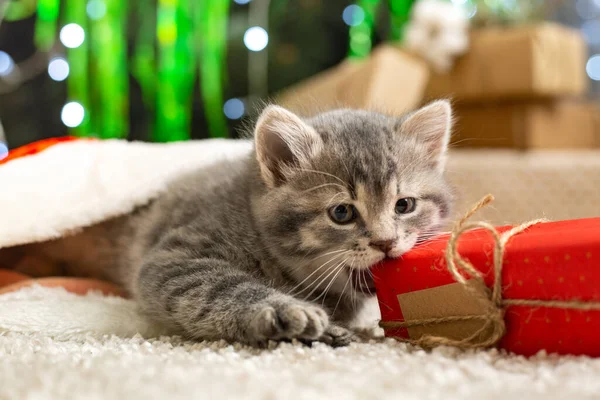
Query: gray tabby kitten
x=277, y=246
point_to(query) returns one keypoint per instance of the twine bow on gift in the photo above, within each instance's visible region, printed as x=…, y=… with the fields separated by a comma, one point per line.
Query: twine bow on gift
x=493, y=326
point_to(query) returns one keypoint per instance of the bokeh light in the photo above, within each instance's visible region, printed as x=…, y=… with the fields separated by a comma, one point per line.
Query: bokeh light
x=593, y=67
x=96, y=9
x=360, y=43
x=242, y=1
x=72, y=114
x=58, y=69
x=471, y=10
x=6, y=64
x=587, y=9
x=72, y=35
x=256, y=38
x=353, y=15
x=234, y=108
x=3, y=150
x=591, y=31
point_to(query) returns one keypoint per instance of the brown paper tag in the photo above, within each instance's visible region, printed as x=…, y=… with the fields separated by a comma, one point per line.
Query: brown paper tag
x=442, y=301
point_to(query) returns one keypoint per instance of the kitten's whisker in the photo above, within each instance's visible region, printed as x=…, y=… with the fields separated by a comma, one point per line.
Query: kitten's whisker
x=310, y=283
x=352, y=291
x=324, y=254
x=342, y=294
x=410, y=165
x=340, y=269
x=323, y=173
x=315, y=271
x=303, y=265
x=330, y=202
x=426, y=244
x=332, y=270
x=322, y=186
x=301, y=262
x=349, y=174
x=319, y=281
x=364, y=279
x=372, y=277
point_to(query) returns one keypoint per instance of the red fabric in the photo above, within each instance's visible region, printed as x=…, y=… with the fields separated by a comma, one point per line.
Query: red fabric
x=12, y=281
x=549, y=261
x=36, y=147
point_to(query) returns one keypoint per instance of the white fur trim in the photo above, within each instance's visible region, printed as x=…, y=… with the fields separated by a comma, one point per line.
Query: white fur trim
x=76, y=184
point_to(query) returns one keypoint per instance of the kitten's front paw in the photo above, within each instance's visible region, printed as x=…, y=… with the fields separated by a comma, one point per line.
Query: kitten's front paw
x=336, y=336
x=293, y=320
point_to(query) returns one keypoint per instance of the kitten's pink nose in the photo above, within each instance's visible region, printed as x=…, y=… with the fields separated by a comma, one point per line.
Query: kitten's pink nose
x=384, y=245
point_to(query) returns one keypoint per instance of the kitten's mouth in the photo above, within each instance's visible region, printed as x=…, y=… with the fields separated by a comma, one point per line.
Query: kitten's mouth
x=362, y=281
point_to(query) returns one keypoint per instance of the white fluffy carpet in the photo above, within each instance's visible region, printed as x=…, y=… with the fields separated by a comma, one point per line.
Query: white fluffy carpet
x=55, y=345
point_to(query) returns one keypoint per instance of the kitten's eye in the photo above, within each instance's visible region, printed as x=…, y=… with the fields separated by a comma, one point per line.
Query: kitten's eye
x=406, y=205
x=342, y=214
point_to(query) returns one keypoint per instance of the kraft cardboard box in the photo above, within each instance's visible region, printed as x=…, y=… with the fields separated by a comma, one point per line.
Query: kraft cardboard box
x=544, y=60
x=528, y=125
x=553, y=184
x=389, y=80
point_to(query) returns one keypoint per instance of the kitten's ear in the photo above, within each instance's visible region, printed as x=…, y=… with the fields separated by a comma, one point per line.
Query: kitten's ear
x=432, y=126
x=283, y=141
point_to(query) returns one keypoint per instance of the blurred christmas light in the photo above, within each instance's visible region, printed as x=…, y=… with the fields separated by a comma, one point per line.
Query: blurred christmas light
x=510, y=4
x=469, y=7
x=591, y=31
x=353, y=15
x=242, y=1
x=45, y=26
x=72, y=35
x=6, y=64
x=3, y=150
x=593, y=67
x=360, y=43
x=256, y=38
x=72, y=114
x=58, y=69
x=360, y=34
x=96, y=9
x=471, y=10
x=587, y=9
x=234, y=109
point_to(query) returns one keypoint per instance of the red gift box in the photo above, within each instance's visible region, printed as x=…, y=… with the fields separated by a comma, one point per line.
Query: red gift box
x=553, y=268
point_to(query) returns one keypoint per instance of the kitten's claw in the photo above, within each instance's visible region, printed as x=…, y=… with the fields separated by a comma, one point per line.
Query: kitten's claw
x=294, y=320
x=336, y=336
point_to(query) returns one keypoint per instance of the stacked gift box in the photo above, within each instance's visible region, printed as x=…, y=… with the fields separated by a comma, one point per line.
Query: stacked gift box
x=521, y=87
x=518, y=87
x=389, y=80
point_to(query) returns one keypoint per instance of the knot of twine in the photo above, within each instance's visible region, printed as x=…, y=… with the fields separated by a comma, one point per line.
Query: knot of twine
x=493, y=327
